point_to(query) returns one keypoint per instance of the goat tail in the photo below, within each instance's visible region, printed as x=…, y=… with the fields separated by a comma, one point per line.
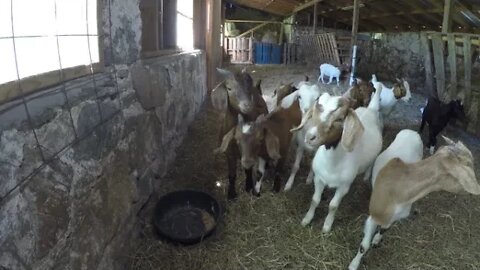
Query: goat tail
x=375, y=100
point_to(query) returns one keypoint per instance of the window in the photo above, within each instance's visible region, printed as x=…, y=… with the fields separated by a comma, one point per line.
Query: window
x=166, y=25
x=39, y=38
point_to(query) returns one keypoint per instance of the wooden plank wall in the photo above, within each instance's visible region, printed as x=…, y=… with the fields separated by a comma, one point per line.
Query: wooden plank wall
x=320, y=48
x=445, y=75
x=239, y=50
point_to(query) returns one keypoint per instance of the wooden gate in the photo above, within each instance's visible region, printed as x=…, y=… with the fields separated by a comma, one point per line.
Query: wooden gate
x=320, y=48
x=239, y=50
x=448, y=70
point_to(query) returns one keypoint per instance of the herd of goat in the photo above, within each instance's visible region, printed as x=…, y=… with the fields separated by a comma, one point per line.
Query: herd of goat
x=343, y=132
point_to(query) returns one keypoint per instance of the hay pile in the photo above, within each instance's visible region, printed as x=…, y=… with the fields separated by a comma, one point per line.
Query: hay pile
x=265, y=232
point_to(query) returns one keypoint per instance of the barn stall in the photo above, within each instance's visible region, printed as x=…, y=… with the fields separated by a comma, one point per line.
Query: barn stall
x=89, y=147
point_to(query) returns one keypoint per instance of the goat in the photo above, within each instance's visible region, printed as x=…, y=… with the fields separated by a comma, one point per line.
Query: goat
x=331, y=71
x=234, y=96
x=357, y=132
x=284, y=90
x=389, y=97
x=265, y=140
x=399, y=184
x=307, y=95
x=437, y=114
x=360, y=93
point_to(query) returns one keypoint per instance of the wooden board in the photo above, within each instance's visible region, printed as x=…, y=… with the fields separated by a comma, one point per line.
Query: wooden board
x=428, y=66
x=439, y=62
x=452, y=62
x=467, y=61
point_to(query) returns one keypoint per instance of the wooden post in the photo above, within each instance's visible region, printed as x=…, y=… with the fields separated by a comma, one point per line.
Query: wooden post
x=467, y=61
x=280, y=37
x=439, y=63
x=353, y=47
x=447, y=16
x=356, y=9
x=452, y=62
x=428, y=66
x=213, y=50
x=315, y=15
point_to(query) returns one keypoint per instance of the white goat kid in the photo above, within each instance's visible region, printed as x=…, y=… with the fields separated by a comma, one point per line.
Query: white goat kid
x=307, y=95
x=399, y=184
x=333, y=122
x=331, y=71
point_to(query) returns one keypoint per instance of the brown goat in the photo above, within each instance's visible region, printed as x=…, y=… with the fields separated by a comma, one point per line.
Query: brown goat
x=237, y=95
x=398, y=185
x=265, y=140
x=360, y=94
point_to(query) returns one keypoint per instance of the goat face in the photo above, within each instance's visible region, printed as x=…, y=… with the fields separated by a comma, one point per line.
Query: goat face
x=236, y=91
x=457, y=162
x=457, y=110
x=307, y=94
x=250, y=137
x=331, y=121
x=400, y=89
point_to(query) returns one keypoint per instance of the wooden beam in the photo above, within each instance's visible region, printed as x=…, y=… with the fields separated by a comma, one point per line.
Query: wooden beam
x=428, y=66
x=356, y=10
x=439, y=63
x=306, y=5
x=315, y=18
x=447, y=16
x=253, y=29
x=467, y=63
x=452, y=61
x=250, y=21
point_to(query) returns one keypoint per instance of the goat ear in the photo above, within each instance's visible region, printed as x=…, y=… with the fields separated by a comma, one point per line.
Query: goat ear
x=449, y=141
x=352, y=130
x=305, y=118
x=225, y=73
x=219, y=97
x=288, y=100
x=227, y=138
x=273, y=145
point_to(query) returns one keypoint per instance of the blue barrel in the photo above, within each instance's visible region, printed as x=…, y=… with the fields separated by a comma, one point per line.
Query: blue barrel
x=276, y=54
x=258, y=53
x=266, y=53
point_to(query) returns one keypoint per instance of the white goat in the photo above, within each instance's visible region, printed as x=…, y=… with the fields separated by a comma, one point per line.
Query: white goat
x=307, y=95
x=399, y=184
x=389, y=97
x=331, y=71
x=360, y=138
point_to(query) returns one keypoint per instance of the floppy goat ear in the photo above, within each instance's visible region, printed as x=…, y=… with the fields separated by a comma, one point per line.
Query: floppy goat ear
x=352, y=130
x=305, y=118
x=288, y=100
x=227, y=138
x=466, y=177
x=273, y=145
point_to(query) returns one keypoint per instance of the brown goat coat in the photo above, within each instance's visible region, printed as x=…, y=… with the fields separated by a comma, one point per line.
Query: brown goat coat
x=361, y=94
x=400, y=184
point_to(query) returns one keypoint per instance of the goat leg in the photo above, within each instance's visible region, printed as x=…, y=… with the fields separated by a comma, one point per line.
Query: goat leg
x=368, y=231
x=248, y=180
x=232, y=175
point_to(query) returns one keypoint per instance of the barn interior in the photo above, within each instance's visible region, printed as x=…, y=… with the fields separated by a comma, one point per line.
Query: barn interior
x=105, y=107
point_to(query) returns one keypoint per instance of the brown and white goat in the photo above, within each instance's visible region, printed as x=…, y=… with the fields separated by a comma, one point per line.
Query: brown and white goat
x=398, y=185
x=234, y=96
x=360, y=94
x=266, y=140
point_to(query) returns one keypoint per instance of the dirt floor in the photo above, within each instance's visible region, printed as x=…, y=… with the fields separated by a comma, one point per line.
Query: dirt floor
x=265, y=232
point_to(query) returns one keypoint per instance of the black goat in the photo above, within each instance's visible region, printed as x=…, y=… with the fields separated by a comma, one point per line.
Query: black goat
x=437, y=114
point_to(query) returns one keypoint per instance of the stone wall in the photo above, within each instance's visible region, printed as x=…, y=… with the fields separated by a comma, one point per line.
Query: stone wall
x=394, y=55
x=74, y=176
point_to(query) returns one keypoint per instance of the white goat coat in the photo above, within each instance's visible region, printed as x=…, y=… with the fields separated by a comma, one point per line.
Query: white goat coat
x=337, y=167
x=407, y=146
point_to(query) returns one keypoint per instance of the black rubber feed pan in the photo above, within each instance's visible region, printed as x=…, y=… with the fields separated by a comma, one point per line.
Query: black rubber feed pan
x=186, y=216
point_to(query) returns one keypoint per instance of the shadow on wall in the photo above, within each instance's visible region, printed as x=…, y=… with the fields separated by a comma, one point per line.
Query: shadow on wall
x=394, y=55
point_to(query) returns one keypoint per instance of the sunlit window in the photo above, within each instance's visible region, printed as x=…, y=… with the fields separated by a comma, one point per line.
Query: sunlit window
x=185, y=25
x=40, y=36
